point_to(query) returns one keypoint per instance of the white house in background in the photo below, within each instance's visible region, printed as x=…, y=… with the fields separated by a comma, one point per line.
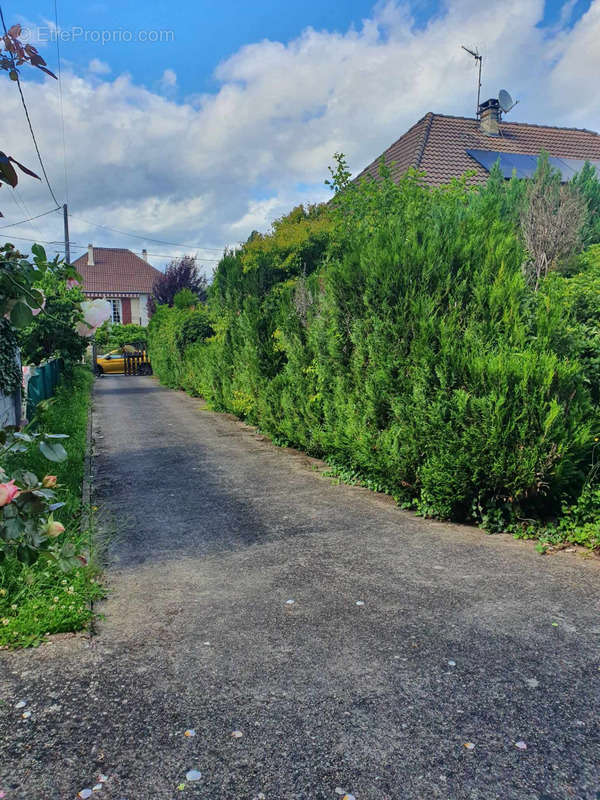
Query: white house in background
x=120, y=276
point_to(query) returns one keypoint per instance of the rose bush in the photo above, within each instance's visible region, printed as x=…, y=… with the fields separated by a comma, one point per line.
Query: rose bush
x=28, y=530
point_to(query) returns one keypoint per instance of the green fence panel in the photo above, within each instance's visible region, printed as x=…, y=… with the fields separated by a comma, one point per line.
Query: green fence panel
x=55, y=371
x=46, y=371
x=35, y=392
x=42, y=384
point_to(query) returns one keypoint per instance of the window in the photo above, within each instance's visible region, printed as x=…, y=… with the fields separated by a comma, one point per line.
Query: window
x=116, y=309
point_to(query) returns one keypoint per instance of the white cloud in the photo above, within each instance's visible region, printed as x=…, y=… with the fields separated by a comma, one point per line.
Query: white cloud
x=168, y=82
x=99, y=67
x=210, y=170
x=169, y=78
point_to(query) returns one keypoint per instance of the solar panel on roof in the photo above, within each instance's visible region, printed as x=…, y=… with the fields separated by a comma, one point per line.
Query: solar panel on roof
x=576, y=164
x=525, y=165
x=487, y=158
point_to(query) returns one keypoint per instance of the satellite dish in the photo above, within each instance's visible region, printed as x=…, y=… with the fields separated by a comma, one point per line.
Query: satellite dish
x=506, y=101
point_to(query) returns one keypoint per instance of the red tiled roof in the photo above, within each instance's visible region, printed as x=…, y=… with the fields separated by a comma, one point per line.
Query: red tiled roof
x=116, y=271
x=438, y=144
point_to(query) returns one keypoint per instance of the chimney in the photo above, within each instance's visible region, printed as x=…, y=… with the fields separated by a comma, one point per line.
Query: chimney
x=489, y=117
x=90, y=255
x=145, y=255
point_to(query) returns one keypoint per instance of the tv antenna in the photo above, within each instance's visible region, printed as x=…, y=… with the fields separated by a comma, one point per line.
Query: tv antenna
x=478, y=60
x=506, y=101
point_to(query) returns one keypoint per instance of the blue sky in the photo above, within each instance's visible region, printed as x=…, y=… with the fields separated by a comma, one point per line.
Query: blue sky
x=202, y=138
x=206, y=33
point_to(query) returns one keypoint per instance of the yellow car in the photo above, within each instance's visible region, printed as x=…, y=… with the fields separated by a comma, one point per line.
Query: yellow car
x=113, y=363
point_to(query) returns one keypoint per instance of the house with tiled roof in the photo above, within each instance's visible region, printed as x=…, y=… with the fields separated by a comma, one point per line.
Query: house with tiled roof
x=445, y=147
x=120, y=276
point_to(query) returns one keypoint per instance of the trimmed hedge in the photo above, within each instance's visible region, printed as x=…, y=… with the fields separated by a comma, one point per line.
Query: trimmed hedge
x=405, y=345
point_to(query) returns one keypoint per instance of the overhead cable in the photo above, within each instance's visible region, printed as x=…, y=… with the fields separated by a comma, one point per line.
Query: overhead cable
x=37, y=149
x=147, y=238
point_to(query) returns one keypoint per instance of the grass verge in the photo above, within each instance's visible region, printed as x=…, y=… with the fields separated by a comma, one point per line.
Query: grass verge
x=38, y=600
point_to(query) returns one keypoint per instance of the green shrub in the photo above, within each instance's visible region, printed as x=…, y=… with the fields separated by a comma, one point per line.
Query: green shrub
x=194, y=328
x=185, y=298
x=41, y=598
x=66, y=412
x=114, y=336
x=10, y=372
x=407, y=349
x=162, y=344
x=577, y=295
x=52, y=333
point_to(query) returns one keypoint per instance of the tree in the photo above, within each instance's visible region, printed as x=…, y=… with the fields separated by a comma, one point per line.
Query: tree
x=52, y=334
x=179, y=274
x=552, y=220
x=588, y=185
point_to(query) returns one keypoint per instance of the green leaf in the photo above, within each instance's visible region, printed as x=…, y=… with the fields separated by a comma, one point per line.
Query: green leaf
x=29, y=480
x=39, y=252
x=5, y=304
x=13, y=528
x=47, y=494
x=36, y=298
x=53, y=451
x=21, y=315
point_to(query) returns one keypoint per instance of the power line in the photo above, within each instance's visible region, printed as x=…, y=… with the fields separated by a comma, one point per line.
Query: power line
x=156, y=255
x=22, y=206
x=60, y=94
x=83, y=248
x=34, y=239
x=27, y=211
x=23, y=221
x=37, y=149
x=16, y=198
x=196, y=258
x=147, y=238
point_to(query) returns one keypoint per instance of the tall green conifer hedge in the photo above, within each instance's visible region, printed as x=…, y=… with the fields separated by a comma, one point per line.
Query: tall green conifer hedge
x=392, y=331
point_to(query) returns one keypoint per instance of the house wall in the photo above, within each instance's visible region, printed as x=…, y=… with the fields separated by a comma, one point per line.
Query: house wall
x=143, y=301
x=135, y=310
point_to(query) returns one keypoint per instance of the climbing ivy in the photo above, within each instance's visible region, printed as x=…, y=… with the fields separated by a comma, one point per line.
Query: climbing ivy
x=10, y=374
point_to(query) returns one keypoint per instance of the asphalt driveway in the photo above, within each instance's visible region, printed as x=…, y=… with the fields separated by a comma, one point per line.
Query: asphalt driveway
x=355, y=648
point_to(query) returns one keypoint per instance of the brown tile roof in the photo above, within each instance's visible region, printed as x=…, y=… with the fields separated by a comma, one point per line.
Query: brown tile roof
x=116, y=271
x=438, y=144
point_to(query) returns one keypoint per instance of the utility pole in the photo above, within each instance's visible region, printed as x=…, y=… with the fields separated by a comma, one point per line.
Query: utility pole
x=67, y=243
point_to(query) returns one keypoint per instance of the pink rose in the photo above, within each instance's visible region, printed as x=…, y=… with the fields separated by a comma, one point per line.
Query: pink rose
x=8, y=492
x=95, y=312
x=49, y=481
